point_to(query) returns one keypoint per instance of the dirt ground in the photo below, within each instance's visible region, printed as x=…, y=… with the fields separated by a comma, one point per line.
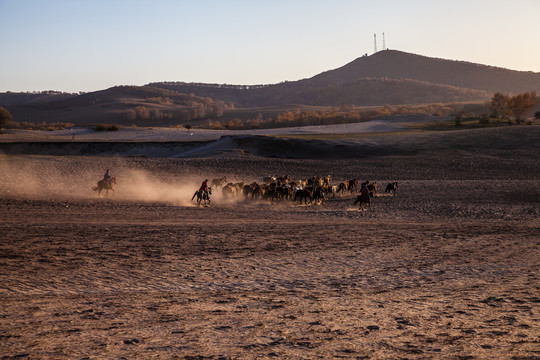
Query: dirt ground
x=448, y=268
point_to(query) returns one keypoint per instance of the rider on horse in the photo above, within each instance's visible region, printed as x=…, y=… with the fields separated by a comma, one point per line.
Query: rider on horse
x=364, y=191
x=204, y=187
x=107, y=177
x=203, y=193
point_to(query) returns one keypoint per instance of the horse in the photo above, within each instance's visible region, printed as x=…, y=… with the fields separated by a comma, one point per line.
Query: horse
x=363, y=199
x=228, y=191
x=202, y=196
x=220, y=182
x=342, y=187
x=353, y=185
x=372, y=188
x=105, y=185
x=269, y=179
x=391, y=188
x=319, y=194
x=303, y=194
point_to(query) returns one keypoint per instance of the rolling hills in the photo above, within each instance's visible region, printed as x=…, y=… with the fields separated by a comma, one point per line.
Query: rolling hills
x=372, y=80
x=386, y=77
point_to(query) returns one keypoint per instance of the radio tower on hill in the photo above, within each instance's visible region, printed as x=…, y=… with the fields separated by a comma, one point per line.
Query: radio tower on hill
x=383, y=44
x=375, y=42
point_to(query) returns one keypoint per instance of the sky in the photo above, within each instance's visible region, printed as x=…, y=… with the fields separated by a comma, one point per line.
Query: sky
x=90, y=45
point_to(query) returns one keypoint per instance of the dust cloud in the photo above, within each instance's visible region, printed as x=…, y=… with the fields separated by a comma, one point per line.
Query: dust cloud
x=45, y=177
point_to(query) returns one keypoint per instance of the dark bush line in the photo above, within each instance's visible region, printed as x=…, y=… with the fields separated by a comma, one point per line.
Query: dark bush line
x=105, y=127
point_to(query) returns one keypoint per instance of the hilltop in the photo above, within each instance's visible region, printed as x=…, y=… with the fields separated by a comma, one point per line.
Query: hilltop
x=386, y=77
x=395, y=64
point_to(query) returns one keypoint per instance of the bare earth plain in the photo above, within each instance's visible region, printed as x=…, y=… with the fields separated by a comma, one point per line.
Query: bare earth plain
x=448, y=268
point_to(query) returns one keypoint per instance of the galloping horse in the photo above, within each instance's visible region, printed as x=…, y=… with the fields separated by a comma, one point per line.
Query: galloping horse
x=391, y=188
x=363, y=199
x=104, y=185
x=202, y=196
x=219, y=183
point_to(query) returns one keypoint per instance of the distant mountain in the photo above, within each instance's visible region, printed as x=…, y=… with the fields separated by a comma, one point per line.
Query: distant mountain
x=401, y=65
x=359, y=81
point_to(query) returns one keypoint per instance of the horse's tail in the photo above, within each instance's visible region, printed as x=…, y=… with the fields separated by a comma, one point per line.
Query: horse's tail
x=95, y=188
x=194, y=195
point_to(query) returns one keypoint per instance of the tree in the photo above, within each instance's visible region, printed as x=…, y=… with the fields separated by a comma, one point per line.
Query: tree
x=483, y=118
x=497, y=106
x=458, y=119
x=128, y=115
x=142, y=112
x=5, y=118
x=519, y=105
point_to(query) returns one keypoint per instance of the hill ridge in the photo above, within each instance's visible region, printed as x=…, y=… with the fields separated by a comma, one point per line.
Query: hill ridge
x=388, y=77
x=402, y=65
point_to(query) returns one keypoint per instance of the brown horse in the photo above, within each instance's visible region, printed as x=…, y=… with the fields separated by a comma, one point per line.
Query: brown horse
x=104, y=185
x=363, y=199
x=372, y=188
x=305, y=195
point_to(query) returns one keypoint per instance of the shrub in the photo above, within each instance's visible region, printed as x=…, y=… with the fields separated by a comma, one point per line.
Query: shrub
x=104, y=127
x=27, y=125
x=458, y=119
x=484, y=119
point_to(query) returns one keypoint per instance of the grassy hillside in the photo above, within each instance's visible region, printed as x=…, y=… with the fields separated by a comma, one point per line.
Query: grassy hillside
x=124, y=105
x=362, y=92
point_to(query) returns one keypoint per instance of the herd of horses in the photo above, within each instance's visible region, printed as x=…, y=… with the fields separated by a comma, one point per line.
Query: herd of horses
x=280, y=188
x=307, y=191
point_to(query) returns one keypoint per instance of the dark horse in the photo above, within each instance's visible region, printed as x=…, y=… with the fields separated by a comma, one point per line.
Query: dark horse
x=363, y=199
x=202, y=196
x=391, y=188
x=104, y=185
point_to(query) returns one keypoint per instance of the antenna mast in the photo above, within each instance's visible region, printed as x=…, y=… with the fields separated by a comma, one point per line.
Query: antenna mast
x=383, y=44
x=375, y=41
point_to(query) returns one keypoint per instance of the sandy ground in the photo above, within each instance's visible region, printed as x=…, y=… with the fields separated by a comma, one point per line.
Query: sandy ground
x=446, y=269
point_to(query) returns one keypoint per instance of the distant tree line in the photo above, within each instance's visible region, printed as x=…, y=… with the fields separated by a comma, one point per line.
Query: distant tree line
x=345, y=114
x=201, y=109
x=516, y=106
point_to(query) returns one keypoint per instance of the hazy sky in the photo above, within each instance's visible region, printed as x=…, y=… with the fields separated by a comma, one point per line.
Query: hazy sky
x=88, y=45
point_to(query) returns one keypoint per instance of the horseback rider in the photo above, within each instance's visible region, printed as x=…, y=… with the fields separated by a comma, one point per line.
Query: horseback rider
x=204, y=187
x=364, y=191
x=107, y=177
